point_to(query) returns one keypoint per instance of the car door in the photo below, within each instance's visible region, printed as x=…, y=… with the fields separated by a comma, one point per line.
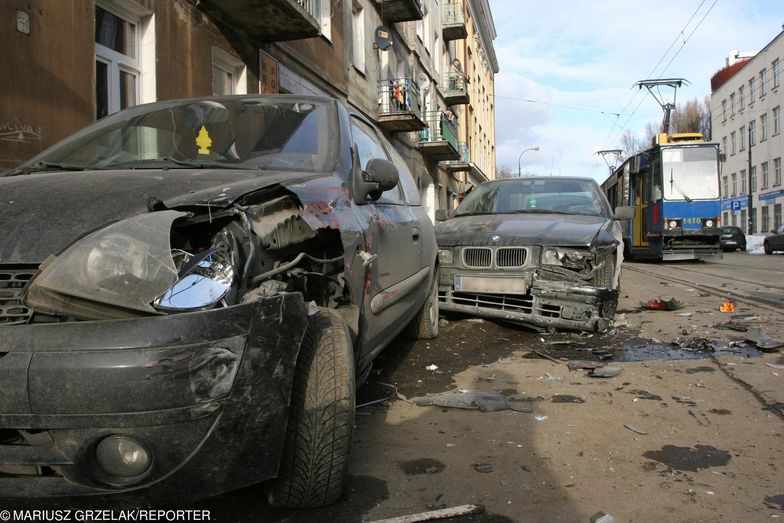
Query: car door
x=392, y=240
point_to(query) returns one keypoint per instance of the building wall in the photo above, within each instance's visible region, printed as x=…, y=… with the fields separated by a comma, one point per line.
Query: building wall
x=729, y=116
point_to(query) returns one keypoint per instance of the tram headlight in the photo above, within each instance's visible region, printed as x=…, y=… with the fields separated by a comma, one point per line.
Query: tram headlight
x=672, y=223
x=710, y=223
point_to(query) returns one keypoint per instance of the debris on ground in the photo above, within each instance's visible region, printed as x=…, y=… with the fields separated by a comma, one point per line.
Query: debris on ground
x=540, y=417
x=484, y=468
x=634, y=429
x=394, y=393
x=432, y=367
x=460, y=510
x=762, y=342
x=485, y=401
x=601, y=517
x=727, y=306
x=584, y=364
x=659, y=304
x=605, y=372
x=694, y=344
x=731, y=325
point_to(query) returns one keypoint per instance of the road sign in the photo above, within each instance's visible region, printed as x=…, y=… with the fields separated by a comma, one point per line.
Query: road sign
x=735, y=205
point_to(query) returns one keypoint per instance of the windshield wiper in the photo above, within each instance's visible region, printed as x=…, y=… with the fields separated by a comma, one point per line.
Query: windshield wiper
x=673, y=184
x=152, y=163
x=538, y=211
x=47, y=166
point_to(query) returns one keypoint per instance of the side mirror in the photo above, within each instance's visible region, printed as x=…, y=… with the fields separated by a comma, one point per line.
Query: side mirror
x=441, y=215
x=624, y=213
x=367, y=185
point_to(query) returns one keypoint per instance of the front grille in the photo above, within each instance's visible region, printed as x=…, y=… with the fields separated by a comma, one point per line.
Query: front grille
x=477, y=256
x=12, y=281
x=510, y=257
x=503, y=302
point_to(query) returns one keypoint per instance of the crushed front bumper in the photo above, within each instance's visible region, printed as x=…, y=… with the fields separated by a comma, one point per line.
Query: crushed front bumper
x=206, y=393
x=556, y=304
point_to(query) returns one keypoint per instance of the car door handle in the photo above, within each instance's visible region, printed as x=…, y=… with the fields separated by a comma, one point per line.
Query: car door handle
x=415, y=233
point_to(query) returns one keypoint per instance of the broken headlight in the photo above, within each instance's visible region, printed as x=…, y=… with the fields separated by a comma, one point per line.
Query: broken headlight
x=567, y=258
x=445, y=256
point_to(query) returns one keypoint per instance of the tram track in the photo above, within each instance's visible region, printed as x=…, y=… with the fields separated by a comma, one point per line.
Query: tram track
x=742, y=295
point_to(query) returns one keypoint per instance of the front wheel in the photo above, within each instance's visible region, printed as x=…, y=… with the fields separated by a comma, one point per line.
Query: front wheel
x=424, y=326
x=768, y=250
x=314, y=464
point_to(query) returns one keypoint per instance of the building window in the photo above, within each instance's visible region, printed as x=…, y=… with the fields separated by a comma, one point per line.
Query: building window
x=120, y=35
x=733, y=142
x=742, y=136
x=229, y=74
x=724, y=145
x=725, y=186
x=743, y=219
x=734, y=177
x=359, y=38
x=751, y=90
x=776, y=66
x=765, y=175
x=724, y=109
x=732, y=104
x=325, y=18
x=763, y=127
x=777, y=216
x=777, y=171
x=752, y=133
x=763, y=82
x=776, y=120
x=754, y=178
x=741, y=98
x=726, y=219
x=743, y=181
x=765, y=219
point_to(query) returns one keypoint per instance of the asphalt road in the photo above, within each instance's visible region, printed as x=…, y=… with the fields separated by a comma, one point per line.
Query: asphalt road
x=685, y=434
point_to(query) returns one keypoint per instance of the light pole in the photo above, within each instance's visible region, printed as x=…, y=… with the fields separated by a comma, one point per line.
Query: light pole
x=519, y=170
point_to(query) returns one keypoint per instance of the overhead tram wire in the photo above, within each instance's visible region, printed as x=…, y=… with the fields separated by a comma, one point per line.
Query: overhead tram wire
x=679, y=36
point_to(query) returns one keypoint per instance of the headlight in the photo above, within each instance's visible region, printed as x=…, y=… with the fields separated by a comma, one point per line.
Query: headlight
x=445, y=256
x=207, y=279
x=569, y=258
x=114, y=272
x=672, y=223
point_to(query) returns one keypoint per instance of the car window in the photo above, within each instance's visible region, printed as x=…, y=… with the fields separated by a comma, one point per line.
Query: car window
x=407, y=182
x=369, y=147
x=567, y=196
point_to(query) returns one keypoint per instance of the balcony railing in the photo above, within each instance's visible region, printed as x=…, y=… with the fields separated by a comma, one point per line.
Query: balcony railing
x=454, y=21
x=438, y=141
x=399, y=106
x=263, y=21
x=455, y=89
x=400, y=10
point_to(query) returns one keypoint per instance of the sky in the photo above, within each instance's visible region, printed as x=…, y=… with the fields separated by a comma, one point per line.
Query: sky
x=568, y=69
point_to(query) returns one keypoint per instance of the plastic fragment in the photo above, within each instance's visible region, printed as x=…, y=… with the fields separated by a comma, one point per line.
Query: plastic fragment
x=605, y=372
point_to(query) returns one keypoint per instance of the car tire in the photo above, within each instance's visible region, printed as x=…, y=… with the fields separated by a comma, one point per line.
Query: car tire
x=314, y=463
x=767, y=248
x=604, y=276
x=424, y=326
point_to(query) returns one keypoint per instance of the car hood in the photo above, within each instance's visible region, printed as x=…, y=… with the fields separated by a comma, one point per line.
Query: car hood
x=569, y=230
x=42, y=213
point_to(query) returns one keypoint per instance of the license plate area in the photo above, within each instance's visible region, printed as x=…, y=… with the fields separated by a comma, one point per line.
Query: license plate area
x=491, y=284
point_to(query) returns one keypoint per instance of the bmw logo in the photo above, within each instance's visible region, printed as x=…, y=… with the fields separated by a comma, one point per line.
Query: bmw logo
x=495, y=238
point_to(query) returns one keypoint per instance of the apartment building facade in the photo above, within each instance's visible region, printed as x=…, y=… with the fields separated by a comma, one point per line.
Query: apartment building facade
x=746, y=102
x=422, y=69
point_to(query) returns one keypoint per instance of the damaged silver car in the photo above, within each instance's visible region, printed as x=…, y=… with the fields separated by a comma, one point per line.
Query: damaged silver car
x=545, y=252
x=189, y=292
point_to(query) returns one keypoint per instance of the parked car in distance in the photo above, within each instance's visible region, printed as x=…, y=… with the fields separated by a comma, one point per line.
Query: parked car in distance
x=540, y=251
x=191, y=289
x=732, y=238
x=774, y=241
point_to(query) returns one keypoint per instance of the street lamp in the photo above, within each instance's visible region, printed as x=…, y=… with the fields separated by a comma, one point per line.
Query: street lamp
x=519, y=171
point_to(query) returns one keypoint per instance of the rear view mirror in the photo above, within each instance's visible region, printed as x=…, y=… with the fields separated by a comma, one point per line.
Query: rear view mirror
x=441, y=215
x=379, y=176
x=624, y=213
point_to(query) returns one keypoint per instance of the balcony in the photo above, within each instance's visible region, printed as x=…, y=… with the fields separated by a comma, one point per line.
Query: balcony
x=454, y=22
x=266, y=20
x=466, y=164
x=398, y=105
x=455, y=89
x=438, y=142
x=393, y=11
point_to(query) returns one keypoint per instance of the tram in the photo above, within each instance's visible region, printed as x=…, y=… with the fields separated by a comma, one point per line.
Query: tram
x=674, y=190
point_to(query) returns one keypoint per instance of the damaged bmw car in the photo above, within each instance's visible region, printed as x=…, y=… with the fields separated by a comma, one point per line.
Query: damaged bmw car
x=190, y=291
x=544, y=252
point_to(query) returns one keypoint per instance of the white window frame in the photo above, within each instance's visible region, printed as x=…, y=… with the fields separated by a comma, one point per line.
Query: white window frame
x=776, y=120
x=143, y=66
x=325, y=18
x=776, y=66
x=358, y=51
x=751, y=90
x=234, y=66
x=763, y=127
x=763, y=82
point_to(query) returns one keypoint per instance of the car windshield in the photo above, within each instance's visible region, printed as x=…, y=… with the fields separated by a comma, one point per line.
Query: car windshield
x=532, y=195
x=260, y=133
